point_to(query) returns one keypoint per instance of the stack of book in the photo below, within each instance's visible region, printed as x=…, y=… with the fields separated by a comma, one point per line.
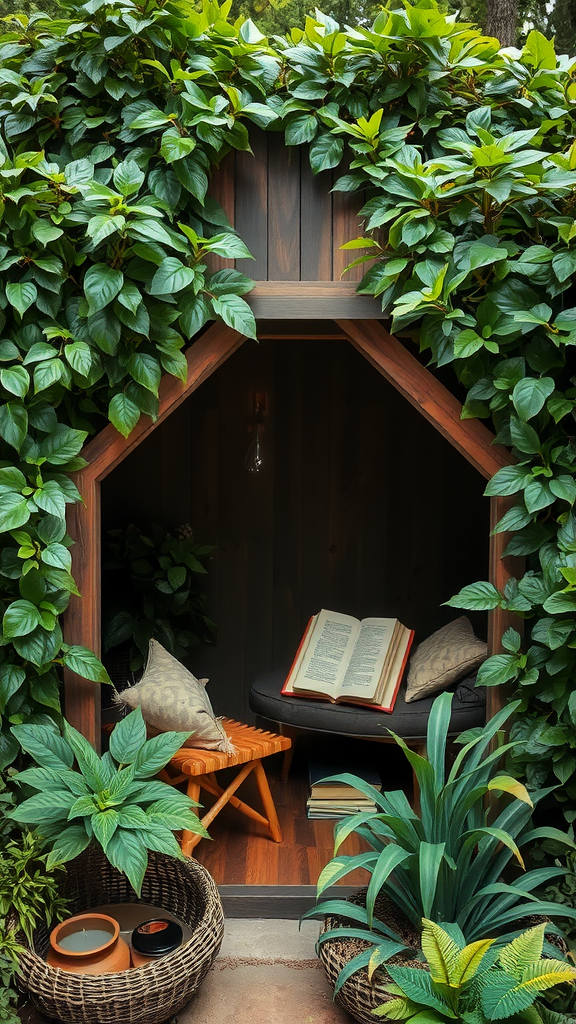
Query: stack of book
x=337, y=799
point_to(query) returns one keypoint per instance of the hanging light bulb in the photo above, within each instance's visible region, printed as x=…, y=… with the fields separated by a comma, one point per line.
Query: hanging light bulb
x=254, y=459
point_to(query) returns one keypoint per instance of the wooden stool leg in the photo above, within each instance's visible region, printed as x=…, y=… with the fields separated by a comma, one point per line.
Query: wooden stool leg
x=268, y=802
x=189, y=840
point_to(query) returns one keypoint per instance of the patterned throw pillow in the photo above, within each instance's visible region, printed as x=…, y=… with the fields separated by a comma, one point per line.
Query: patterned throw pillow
x=443, y=658
x=172, y=698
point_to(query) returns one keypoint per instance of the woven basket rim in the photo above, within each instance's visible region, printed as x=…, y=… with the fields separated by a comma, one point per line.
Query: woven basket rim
x=211, y=889
x=149, y=994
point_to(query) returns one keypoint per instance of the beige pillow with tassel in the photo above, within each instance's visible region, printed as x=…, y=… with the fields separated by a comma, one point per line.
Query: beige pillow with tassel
x=172, y=698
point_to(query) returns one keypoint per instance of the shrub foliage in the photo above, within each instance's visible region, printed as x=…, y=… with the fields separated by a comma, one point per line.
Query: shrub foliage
x=112, y=118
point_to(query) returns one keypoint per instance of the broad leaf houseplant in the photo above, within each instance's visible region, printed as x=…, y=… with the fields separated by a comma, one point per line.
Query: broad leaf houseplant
x=112, y=800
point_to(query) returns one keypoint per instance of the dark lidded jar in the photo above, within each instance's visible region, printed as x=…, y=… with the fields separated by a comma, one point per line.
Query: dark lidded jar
x=154, y=939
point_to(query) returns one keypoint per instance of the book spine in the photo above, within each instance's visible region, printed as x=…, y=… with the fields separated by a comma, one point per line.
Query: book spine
x=287, y=688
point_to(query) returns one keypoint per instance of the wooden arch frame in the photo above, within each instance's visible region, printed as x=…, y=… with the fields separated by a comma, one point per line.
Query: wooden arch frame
x=108, y=449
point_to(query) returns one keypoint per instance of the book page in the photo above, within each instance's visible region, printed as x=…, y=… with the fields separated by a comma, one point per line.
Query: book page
x=328, y=653
x=368, y=657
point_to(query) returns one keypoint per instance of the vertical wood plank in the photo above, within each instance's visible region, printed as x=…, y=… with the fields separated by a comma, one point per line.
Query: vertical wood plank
x=315, y=223
x=251, y=206
x=82, y=622
x=342, y=506
x=345, y=226
x=283, y=211
x=259, y=525
x=222, y=189
x=231, y=610
x=315, y=488
x=501, y=570
x=290, y=430
x=204, y=518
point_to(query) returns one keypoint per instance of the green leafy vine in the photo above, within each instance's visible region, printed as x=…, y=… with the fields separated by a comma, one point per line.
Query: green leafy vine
x=111, y=120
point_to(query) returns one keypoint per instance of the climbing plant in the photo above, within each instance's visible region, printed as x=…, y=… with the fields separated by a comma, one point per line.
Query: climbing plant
x=112, y=118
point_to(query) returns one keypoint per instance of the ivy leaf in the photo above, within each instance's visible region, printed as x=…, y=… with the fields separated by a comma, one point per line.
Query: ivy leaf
x=15, y=379
x=508, y=480
x=524, y=437
x=82, y=661
x=564, y=487
x=11, y=679
x=301, y=129
x=22, y=296
x=50, y=497
x=229, y=246
x=14, y=511
x=101, y=286
x=40, y=646
x=20, y=618
x=13, y=424
x=145, y=369
x=79, y=356
x=538, y=495
x=171, y=276
x=529, y=396
x=123, y=413
x=174, y=146
x=325, y=152
x=128, y=177
x=477, y=597
x=47, y=373
x=235, y=312
x=62, y=444
x=196, y=312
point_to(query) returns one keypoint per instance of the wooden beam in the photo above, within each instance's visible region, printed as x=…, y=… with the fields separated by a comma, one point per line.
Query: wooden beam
x=109, y=448
x=82, y=621
x=470, y=437
x=311, y=300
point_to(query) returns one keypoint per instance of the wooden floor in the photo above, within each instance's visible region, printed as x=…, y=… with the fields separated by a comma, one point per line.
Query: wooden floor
x=240, y=852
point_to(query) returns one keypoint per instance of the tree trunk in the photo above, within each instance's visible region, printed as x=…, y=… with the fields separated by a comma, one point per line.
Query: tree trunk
x=501, y=20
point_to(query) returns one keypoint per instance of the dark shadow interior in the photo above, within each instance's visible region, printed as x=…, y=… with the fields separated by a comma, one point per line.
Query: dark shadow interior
x=361, y=506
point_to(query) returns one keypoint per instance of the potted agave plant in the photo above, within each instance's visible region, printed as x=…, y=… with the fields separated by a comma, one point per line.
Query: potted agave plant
x=444, y=864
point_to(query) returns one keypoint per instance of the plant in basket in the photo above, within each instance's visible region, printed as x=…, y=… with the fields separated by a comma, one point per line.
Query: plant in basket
x=112, y=800
x=476, y=983
x=446, y=864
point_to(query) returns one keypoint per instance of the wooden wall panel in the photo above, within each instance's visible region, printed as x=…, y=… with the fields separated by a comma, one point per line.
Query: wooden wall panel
x=251, y=207
x=289, y=218
x=284, y=213
x=316, y=243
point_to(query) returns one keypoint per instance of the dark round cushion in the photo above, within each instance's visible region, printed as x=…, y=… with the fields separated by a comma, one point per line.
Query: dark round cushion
x=408, y=720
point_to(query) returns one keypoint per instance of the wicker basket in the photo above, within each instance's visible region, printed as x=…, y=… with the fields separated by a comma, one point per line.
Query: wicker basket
x=148, y=994
x=360, y=995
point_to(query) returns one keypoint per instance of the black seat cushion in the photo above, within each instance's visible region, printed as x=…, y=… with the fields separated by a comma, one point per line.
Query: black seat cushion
x=408, y=720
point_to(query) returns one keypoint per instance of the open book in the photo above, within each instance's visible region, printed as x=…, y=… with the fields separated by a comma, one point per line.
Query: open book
x=343, y=659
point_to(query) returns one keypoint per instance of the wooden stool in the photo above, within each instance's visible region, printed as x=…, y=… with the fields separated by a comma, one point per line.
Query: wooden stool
x=197, y=768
